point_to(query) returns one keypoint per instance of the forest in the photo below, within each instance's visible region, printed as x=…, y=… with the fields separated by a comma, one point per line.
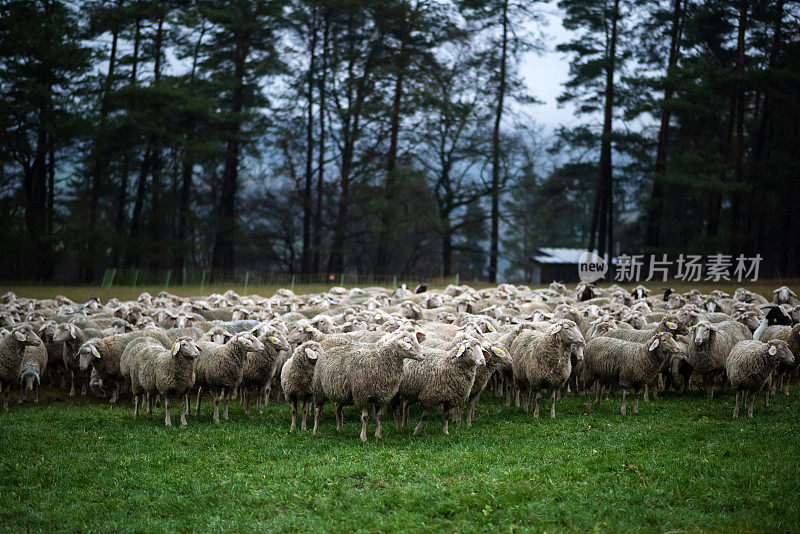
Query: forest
x=386, y=136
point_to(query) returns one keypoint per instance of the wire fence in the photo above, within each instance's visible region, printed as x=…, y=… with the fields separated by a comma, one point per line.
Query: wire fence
x=247, y=279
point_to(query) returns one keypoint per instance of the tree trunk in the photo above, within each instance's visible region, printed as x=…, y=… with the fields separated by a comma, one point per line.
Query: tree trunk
x=226, y=222
x=157, y=228
x=656, y=207
x=35, y=191
x=305, y=258
x=388, y=215
x=605, y=170
x=501, y=93
x=738, y=165
x=321, y=154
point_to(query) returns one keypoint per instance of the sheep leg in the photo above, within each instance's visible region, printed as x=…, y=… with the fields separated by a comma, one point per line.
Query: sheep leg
x=36, y=395
x=227, y=397
x=72, y=383
x=267, y=391
x=197, y=402
x=553, y=405
x=167, y=418
x=766, y=399
x=508, y=394
x=135, y=406
x=304, y=414
x=317, y=413
x=536, y=409
x=216, y=408
x=646, y=391
x=446, y=418
x=624, y=401
x=22, y=392
x=294, y=413
x=85, y=380
x=378, y=414
x=148, y=404
x=418, y=428
x=405, y=415
x=364, y=419
x=470, y=410
x=516, y=395
x=339, y=417
x=636, y=400
x=750, y=406
x=184, y=407
x=588, y=393
x=738, y=400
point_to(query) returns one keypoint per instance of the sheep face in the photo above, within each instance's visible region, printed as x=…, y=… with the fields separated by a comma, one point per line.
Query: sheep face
x=675, y=326
x=497, y=353
x=184, y=320
x=783, y=295
x=702, y=332
x=779, y=350
x=26, y=336
x=470, y=350
x=666, y=342
x=186, y=347
x=28, y=375
x=87, y=354
x=277, y=340
x=569, y=334
x=65, y=332
x=750, y=319
x=250, y=342
x=408, y=346
x=121, y=326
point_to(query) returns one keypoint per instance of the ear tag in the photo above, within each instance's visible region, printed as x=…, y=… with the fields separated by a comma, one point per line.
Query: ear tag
x=460, y=351
x=176, y=348
x=405, y=345
x=20, y=336
x=773, y=350
x=671, y=325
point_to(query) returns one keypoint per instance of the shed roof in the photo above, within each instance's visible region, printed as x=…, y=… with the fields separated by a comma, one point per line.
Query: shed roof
x=558, y=255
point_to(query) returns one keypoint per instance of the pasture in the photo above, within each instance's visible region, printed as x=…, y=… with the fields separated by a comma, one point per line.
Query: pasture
x=681, y=464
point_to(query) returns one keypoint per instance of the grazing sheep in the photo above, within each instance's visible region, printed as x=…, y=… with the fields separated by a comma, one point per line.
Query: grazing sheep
x=219, y=369
x=443, y=379
x=750, y=367
x=296, y=377
x=31, y=369
x=168, y=372
x=627, y=364
x=366, y=375
x=12, y=354
x=542, y=360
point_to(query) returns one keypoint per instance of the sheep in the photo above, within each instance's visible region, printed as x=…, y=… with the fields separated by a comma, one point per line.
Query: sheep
x=542, y=360
x=219, y=369
x=784, y=295
x=750, y=367
x=259, y=367
x=497, y=359
x=31, y=369
x=71, y=337
x=627, y=364
x=366, y=375
x=296, y=376
x=444, y=378
x=168, y=372
x=104, y=355
x=709, y=347
x=12, y=354
x=791, y=335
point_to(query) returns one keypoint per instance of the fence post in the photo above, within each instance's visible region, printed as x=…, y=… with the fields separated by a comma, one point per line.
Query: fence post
x=355, y=282
x=203, y=281
x=183, y=280
x=136, y=278
x=246, y=281
x=169, y=276
x=292, y=287
x=341, y=279
x=458, y=279
x=394, y=282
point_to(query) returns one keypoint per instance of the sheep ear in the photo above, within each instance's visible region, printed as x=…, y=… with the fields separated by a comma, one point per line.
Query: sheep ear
x=245, y=342
x=20, y=336
x=556, y=329
x=773, y=350
x=461, y=350
x=671, y=325
x=420, y=336
x=95, y=352
x=311, y=354
x=654, y=344
x=176, y=348
x=405, y=345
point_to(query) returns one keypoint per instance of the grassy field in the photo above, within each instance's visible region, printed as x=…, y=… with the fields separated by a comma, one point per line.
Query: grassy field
x=682, y=464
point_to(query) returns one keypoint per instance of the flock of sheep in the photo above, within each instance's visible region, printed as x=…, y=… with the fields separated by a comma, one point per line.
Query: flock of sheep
x=381, y=349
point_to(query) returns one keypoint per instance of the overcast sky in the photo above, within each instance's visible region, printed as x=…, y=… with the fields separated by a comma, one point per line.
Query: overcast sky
x=545, y=72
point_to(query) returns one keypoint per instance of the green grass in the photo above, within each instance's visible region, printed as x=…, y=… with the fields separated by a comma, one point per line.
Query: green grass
x=681, y=464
